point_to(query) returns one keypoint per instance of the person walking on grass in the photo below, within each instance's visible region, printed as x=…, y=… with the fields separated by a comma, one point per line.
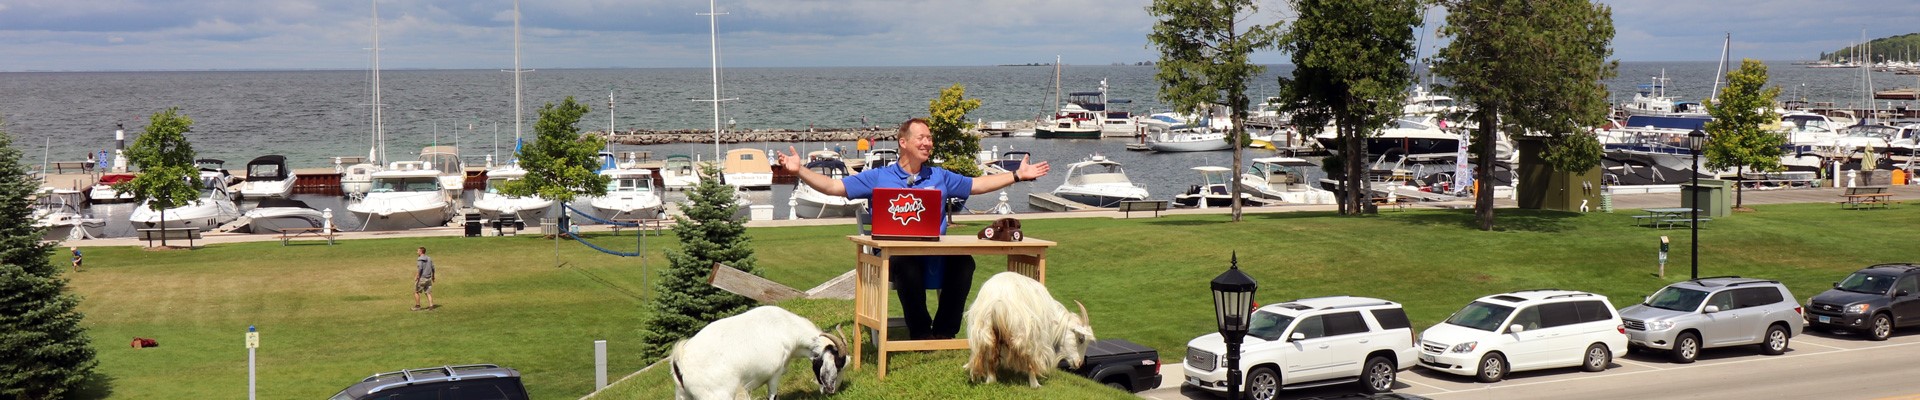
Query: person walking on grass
x=422, y=279
x=76, y=257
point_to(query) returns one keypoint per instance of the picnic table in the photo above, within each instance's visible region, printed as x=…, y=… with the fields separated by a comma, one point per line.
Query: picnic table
x=1866, y=197
x=288, y=234
x=656, y=226
x=1666, y=217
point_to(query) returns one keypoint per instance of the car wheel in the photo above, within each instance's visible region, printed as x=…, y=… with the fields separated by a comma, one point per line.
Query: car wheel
x=1882, y=328
x=1378, y=377
x=1493, y=368
x=1685, y=348
x=1777, y=338
x=1597, y=358
x=1118, y=386
x=1263, y=384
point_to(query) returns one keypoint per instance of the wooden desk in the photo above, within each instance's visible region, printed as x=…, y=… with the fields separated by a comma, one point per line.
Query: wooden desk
x=871, y=300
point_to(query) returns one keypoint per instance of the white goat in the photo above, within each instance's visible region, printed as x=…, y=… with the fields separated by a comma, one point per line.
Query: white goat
x=1015, y=324
x=734, y=355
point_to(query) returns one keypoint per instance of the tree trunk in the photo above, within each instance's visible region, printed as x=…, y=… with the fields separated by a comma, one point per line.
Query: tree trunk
x=1483, y=169
x=1356, y=169
x=1239, y=129
x=1739, y=189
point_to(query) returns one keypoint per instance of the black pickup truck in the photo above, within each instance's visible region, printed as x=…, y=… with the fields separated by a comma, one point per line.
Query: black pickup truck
x=1122, y=365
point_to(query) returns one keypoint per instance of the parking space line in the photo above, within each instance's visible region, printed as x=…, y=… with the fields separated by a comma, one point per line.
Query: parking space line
x=1624, y=361
x=1761, y=359
x=1442, y=390
x=1821, y=345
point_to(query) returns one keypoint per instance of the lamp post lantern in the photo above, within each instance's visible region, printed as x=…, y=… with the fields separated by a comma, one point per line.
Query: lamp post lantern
x=1232, y=302
x=1697, y=141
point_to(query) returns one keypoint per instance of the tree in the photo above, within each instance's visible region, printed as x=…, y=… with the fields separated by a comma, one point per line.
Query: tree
x=167, y=177
x=947, y=118
x=44, y=350
x=1203, y=61
x=709, y=233
x=1740, y=138
x=1530, y=67
x=1350, y=68
x=561, y=162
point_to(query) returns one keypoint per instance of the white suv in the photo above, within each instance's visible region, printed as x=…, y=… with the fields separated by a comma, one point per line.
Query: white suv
x=1310, y=342
x=1525, y=330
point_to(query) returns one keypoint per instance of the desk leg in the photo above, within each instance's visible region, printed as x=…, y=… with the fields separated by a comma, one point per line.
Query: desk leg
x=1032, y=265
x=870, y=305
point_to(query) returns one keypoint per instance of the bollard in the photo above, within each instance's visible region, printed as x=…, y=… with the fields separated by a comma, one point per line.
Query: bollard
x=599, y=364
x=1663, y=257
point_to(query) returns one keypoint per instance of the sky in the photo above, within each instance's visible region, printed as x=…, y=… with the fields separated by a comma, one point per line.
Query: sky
x=93, y=35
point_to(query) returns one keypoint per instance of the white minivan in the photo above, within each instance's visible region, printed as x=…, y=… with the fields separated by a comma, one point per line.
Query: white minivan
x=1525, y=330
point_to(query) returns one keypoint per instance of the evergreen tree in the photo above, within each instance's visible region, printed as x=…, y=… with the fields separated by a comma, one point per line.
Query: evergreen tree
x=167, y=177
x=1351, y=69
x=709, y=233
x=948, y=121
x=44, y=351
x=560, y=163
x=1741, y=137
x=1204, y=46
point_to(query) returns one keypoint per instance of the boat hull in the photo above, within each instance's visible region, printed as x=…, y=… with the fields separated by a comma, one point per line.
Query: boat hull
x=1200, y=145
x=1066, y=133
x=527, y=210
x=807, y=208
x=1099, y=200
x=276, y=224
x=403, y=220
x=202, y=215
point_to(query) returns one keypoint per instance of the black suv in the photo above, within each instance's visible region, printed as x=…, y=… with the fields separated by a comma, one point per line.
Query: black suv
x=1874, y=300
x=454, y=382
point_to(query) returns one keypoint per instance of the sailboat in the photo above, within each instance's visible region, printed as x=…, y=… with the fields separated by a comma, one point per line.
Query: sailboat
x=1072, y=121
x=357, y=179
x=491, y=202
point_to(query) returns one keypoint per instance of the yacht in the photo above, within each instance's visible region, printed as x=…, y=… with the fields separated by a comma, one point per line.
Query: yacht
x=492, y=203
x=1008, y=162
x=446, y=161
x=1652, y=100
x=213, y=207
x=103, y=191
x=1422, y=102
x=1284, y=179
x=1808, y=129
x=880, y=158
x=1073, y=121
x=748, y=169
x=357, y=178
x=1214, y=190
x=275, y=215
x=1099, y=182
x=268, y=177
x=631, y=194
x=406, y=195
x=679, y=172
x=1189, y=140
x=811, y=203
x=57, y=211
x=1408, y=134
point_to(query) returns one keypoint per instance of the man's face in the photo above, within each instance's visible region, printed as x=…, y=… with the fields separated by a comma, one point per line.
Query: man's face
x=918, y=145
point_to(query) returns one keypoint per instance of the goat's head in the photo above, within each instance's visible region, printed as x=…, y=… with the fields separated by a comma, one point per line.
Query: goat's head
x=1073, y=345
x=829, y=357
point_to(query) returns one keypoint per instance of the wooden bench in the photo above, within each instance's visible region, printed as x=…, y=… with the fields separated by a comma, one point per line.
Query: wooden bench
x=152, y=234
x=1866, y=197
x=287, y=235
x=61, y=167
x=1129, y=206
x=1395, y=202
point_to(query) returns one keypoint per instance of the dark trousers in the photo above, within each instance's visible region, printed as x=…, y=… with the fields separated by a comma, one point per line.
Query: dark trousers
x=955, y=281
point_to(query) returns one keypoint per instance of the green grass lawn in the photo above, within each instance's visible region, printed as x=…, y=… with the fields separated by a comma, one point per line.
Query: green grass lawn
x=332, y=315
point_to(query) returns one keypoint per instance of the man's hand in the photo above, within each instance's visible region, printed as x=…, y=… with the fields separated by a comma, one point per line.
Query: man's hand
x=789, y=162
x=1030, y=171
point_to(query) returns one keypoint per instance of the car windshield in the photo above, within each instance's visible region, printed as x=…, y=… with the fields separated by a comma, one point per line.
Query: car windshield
x=1268, y=325
x=1677, y=299
x=1482, y=316
x=1866, y=283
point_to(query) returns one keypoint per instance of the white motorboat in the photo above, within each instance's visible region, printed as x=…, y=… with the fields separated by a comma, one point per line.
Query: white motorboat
x=1652, y=100
x=1215, y=189
x=1008, y=162
x=57, y=211
x=679, y=173
x=1099, y=182
x=880, y=158
x=1422, y=102
x=1189, y=140
x=631, y=194
x=1808, y=129
x=1408, y=134
x=1284, y=179
x=268, y=177
x=748, y=169
x=446, y=160
x=275, y=215
x=103, y=191
x=407, y=195
x=356, y=179
x=213, y=208
x=811, y=203
x=492, y=203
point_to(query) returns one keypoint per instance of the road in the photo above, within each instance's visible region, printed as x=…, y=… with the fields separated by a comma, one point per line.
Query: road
x=1819, y=365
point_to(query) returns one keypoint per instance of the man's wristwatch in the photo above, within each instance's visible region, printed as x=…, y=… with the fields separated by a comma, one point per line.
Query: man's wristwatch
x=1016, y=177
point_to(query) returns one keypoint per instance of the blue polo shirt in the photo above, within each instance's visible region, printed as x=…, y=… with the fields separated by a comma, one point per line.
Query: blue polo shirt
x=950, y=184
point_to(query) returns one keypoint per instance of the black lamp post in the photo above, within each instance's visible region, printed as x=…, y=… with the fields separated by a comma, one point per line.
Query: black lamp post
x=1697, y=141
x=1232, y=301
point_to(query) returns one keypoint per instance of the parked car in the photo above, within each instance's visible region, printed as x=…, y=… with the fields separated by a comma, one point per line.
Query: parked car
x=1685, y=317
x=1121, y=364
x=1310, y=342
x=1875, y=300
x=453, y=382
x=1525, y=330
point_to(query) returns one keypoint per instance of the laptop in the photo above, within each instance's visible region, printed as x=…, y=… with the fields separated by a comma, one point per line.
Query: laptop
x=906, y=214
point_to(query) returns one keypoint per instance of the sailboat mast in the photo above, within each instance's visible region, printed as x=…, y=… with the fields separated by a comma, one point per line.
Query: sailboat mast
x=378, y=149
x=1721, y=72
x=1056, y=84
x=713, y=32
x=516, y=75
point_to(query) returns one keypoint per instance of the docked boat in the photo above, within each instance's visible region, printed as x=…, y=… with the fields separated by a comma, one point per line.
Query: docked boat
x=1652, y=100
x=1651, y=150
x=679, y=173
x=748, y=169
x=356, y=179
x=811, y=203
x=1215, y=189
x=276, y=215
x=58, y=212
x=1408, y=134
x=1072, y=122
x=103, y=191
x=406, y=195
x=631, y=194
x=1284, y=179
x=212, y=208
x=1189, y=140
x=880, y=158
x=1422, y=102
x=492, y=203
x=1008, y=162
x=268, y=177
x=1099, y=182
x=446, y=160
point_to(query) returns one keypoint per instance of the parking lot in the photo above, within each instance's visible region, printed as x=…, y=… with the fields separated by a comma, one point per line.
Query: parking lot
x=1819, y=364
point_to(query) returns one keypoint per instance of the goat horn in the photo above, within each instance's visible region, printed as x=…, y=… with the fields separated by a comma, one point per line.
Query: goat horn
x=1083, y=313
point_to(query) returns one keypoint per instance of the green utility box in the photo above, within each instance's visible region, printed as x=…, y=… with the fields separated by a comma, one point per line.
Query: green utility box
x=1713, y=197
x=1539, y=187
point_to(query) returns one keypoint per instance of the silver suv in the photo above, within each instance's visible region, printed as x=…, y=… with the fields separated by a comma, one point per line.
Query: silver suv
x=1685, y=317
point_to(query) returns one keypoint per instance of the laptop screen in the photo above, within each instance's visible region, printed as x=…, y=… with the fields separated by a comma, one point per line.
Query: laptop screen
x=906, y=213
